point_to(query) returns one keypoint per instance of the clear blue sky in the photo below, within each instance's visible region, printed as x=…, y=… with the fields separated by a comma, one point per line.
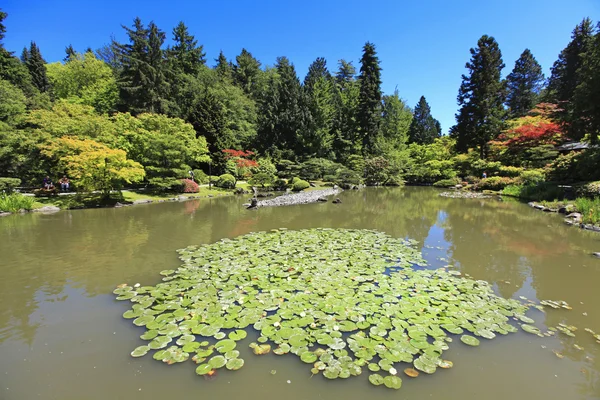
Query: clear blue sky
x=423, y=45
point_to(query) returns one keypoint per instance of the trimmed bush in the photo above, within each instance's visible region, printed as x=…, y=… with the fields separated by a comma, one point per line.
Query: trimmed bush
x=280, y=184
x=495, y=183
x=472, y=179
x=200, y=177
x=533, y=176
x=189, y=186
x=262, y=179
x=226, y=181
x=166, y=184
x=8, y=185
x=447, y=182
x=510, y=171
x=300, y=185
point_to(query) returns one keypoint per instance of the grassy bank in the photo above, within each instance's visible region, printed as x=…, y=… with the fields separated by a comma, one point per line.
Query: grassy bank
x=14, y=202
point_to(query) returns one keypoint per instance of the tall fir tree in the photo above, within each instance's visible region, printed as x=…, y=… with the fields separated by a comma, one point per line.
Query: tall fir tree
x=586, y=98
x=424, y=129
x=344, y=125
x=70, y=53
x=316, y=70
x=481, y=98
x=346, y=72
x=246, y=72
x=564, y=77
x=319, y=91
x=37, y=68
x=185, y=56
x=524, y=85
x=142, y=80
x=369, y=101
x=224, y=68
x=3, y=16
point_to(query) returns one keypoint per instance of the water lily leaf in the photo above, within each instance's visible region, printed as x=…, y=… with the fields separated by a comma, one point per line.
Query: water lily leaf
x=308, y=357
x=413, y=373
x=143, y=320
x=224, y=346
x=140, y=351
x=470, y=340
x=217, y=362
x=234, y=364
x=232, y=354
x=392, y=382
x=238, y=335
x=149, y=335
x=262, y=349
x=190, y=347
x=445, y=364
x=530, y=329
x=376, y=379
x=185, y=339
x=203, y=369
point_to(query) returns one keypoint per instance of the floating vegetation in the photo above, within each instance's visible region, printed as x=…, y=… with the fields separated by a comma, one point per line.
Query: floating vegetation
x=342, y=301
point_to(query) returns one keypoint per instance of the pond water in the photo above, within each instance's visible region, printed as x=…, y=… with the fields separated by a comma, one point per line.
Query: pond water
x=62, y=335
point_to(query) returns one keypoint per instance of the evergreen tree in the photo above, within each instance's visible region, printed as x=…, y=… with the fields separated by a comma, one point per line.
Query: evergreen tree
x=142, y=81
x=316, y=70
x=318, y=86
x=346, y=72
x=481, y=97
x=344, y=125
x=25, y=55
x=369, y=101
x=423, y=128
x=11, y=68
x=70, y=53
x=37, y=67
x=395, y=123
x=586, y=98
x=224, y=68
x=524, y=84
x=185, y=56
x=246, y=72
x=3, y=16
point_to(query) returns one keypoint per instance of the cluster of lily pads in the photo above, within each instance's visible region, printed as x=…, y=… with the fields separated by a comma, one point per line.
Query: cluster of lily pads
x=343, y=301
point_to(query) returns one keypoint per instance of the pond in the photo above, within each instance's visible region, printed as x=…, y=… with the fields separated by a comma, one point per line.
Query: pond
x=62, y=334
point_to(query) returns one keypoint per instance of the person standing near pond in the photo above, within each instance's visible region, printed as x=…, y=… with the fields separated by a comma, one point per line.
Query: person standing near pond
x=191, y=175
x=484, y=175
x=64, y=184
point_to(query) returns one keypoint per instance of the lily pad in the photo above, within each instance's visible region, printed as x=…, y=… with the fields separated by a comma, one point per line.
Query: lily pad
x=470, y=340
x=392, y=382
x=140, y=351
x=234, y=364
x=376, y=379
x=203, y=369
x=413, y=373
x=217, y=362
x=308, y=357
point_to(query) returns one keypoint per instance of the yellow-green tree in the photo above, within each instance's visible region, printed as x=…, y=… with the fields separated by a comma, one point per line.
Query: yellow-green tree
x=85, y=80
x=92, y=165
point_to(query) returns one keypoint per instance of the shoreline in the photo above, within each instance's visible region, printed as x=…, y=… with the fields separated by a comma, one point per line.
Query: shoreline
x=293, y=199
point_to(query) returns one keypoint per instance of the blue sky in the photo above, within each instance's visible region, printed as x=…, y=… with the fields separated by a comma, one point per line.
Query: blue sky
x=423, y=45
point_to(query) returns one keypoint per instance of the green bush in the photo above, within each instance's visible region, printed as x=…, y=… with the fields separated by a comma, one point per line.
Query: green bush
x=200, y=177
x=329, y=178
x=318, y=168
x=447, y=182
x=513, y=190
x=166, y=184
x=286, y=169
x=14, y=202
x=262, y=179
x=590, y=189
x=280, y=184
x=346, y=176
x=300, y=185
x=533, y=176
x=589, y=209
x=226, y=181
x=495, y=183
x=8, y=185
x=510, y=171
x=541, y=191
x=472, y=179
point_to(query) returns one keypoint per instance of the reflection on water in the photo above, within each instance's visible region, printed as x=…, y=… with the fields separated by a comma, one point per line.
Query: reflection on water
x=61, y=328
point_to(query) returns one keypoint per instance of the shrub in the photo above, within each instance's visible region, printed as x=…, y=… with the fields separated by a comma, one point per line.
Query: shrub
x=533, y=176
x=226, y=181
x=447, y=182
x=472, y=179
x=513, y=190
x=347, y=176
x=540, y=191
x=14, y=202
x=200, y=177
x=494, y=183
x=8, y=185
x=280, y=184
x=589, y=209
x=510, y=171
x=189, y=186
x=293, y=180
x=166, y=184
x=329, y=178
x=262, y=179
x=395, y=180
x=300, y=185
x=287, y=169
x=591, y=189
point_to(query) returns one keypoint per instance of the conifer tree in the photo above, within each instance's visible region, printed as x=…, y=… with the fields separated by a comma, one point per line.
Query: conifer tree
x=423, y=128
x=3, y=16
x=185, y=56
x=37, y=67
x=369, y=101
x=524, y=84
x=70, y=53
x=246, y=72
x=223, y=67
x=344, y=125
x=481, y=97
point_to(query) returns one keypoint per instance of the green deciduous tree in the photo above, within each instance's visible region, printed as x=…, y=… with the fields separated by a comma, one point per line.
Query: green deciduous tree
x=85, y=80
x=524, y=84
x=481, y=97
x=369, y=100
x=424, y=128
x=12, y=103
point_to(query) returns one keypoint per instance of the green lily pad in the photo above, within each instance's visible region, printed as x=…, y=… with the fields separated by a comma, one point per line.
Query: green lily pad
x=203, y=369
x=530, y=329
x=376, y=379
x=308, y=357
x=217, y=362
x=234, y=364
x=238, y=335
x=225, y=345
x=140, y=351
x=392, y=382
x=470, y=340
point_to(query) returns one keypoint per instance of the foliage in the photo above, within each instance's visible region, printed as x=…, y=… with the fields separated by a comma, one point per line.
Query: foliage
x=450, y=182
x=431, y=163
x=280, y=184
x=13, y=103
x=299, y=185
x=84, y=79
x=14, y=202
x=524, y=84
x=226, y=181
x=36, y=65
x=481, y=98
x=189, y=186
x=510, y=171
x=575, y=166
x=92, y=165
x=494, y=183
x=8, y=185
x=262, y=179
x=589, y=209
x=287, y=169
x=423, y=128
x=369, y=99
x=200, y=177
x=532, y=177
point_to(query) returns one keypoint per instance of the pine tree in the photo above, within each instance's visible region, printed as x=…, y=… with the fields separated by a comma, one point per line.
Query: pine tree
x=246, y=72
x=316, y=70
x=185, y=56
x=25, y=55
x=586, y=98
x=344, y=125
x=346, y=72
x=481, y=97
x=564, y=78
x=319, y=90
x=395, y=122
x=37, y=68
x=369, y=101
x=142, y=81
x=3, y=16
x=224, y=68
x=524, y=84
x=423, y=128
x=70, y=53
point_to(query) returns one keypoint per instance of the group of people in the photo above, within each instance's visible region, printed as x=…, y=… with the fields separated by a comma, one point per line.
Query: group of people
x=64, y=183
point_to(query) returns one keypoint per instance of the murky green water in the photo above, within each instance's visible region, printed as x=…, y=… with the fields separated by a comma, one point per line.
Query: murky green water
x=62, y=335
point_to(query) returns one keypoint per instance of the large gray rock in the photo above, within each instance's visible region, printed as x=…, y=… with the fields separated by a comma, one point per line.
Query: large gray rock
x=597, y=254
x=575, y=216
x=47, y=209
